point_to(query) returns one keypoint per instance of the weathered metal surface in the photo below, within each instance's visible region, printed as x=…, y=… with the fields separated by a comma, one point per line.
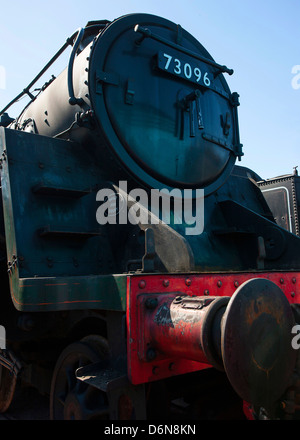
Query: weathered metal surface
x=106, y=80
x=126, y=400
x=69, y=265
x=179, y=326
x=71, y=399
x=159, y=287
x=250, y=336
x=256, y=342
x=67, y=293
x=7, y=388
x=35, y=161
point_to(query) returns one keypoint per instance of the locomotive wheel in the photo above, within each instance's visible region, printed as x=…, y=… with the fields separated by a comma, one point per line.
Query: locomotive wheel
x=7, y=388
x=70, y=398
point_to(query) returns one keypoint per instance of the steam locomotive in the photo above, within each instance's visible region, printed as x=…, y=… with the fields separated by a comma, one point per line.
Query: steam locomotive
x=119, y=310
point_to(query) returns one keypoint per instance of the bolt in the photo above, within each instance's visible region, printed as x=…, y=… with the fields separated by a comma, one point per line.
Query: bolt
x=294, y=280
x=151, y=354
x=151, y=303
x=236, y=284
x=188, y=281
x=206, y=292
x=166, y=283
x=219, y=283
x=281, y=280
x=142, y=284
x=155, y=370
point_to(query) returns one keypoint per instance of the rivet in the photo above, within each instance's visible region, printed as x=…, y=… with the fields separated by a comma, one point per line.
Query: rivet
x=236, y=284
x=142, y=284
x=294, y=280
x=206, y=292
x=49, y=262
x=166, y=283
x=292, y=294
x=219, y=283
x=188, y=281
x=281, y=280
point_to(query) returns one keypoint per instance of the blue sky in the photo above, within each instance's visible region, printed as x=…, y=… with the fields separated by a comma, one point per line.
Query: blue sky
x=258, y=39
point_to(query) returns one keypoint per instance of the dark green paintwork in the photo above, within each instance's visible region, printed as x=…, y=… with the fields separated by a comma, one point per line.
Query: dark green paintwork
x=54, y=272
x=60, y=272
x=142, y=109
x=106, y=292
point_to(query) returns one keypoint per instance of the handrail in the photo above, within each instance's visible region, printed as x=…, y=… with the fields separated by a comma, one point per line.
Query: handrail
x=146, y=33
x=26, y=90
x=72, y=99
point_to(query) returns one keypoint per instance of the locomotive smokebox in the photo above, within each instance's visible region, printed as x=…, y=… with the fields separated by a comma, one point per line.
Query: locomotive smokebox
x=147, y=94
x=248, y=335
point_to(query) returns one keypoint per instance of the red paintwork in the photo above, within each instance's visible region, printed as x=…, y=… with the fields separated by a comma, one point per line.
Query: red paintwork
x=214, y=284
x=139, y=287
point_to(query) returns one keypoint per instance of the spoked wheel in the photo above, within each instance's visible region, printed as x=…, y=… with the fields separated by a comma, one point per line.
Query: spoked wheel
x=70, y=398
x=7, y=388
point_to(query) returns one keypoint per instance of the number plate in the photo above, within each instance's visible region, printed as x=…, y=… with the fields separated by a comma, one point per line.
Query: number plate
x=184, y=67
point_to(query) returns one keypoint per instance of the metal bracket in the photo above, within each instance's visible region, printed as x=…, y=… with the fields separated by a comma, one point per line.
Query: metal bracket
x=129, y=95
x=225, y=123
x=106, y=78
x=148, y=258
x=147, y=33
x=9, y=361
x=72, y=99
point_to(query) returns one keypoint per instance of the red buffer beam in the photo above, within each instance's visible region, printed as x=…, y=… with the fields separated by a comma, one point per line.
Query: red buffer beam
x=247, y=335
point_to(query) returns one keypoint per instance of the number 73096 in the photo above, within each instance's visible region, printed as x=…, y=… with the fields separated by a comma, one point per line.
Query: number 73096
x=183, y=69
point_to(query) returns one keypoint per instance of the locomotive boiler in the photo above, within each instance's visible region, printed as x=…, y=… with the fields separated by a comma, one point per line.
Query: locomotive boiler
x=121, y=309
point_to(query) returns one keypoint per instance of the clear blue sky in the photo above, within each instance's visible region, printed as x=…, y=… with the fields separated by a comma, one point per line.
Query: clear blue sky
x=259, y=39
